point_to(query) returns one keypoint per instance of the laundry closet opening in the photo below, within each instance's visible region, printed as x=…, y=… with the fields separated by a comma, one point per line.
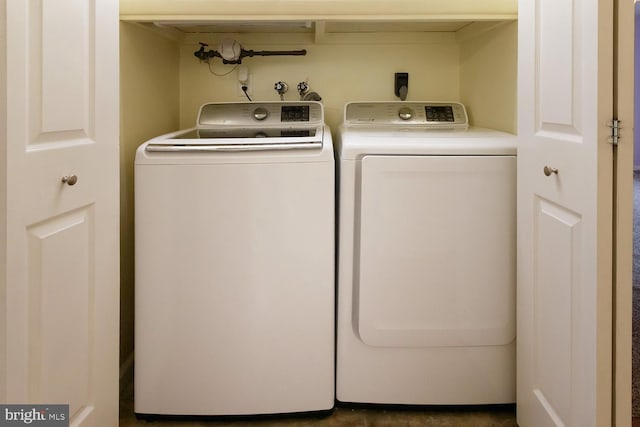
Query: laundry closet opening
x=163, y=84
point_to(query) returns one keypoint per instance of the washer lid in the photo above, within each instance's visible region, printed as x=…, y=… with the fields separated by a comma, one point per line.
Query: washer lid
x=248, y=126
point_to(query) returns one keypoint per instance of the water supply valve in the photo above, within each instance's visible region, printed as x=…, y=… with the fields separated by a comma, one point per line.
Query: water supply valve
x=281, y=88
x=303, y=89
x=305, y=94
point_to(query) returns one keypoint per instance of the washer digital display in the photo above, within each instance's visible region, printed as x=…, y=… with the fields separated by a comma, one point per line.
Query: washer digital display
x=439, y=113
x=294, y=113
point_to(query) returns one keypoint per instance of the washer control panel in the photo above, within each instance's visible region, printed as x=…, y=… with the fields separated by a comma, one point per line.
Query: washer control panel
x=440, y=115
x=261, y=114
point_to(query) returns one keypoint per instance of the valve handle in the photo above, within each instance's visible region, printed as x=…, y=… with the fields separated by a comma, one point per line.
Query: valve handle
x=281, y=87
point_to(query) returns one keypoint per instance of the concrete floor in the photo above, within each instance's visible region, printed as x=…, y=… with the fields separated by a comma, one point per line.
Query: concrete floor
x=499, y=416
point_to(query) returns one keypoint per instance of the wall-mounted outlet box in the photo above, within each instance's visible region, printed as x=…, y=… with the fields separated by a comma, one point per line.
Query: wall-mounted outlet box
x=401, y=85
x=247, y=82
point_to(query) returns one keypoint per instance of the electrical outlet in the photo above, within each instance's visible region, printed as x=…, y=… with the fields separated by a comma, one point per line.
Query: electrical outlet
x=246, y=83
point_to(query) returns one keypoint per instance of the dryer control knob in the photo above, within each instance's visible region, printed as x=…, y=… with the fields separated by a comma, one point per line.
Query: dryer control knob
x=405, y=113
x=260, y=113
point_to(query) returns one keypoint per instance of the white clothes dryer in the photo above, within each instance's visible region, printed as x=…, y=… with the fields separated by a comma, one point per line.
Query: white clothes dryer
x=235, y=277
x=427, y=257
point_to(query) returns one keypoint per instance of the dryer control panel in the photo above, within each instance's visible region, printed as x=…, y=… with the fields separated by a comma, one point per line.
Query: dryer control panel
x=438, y=115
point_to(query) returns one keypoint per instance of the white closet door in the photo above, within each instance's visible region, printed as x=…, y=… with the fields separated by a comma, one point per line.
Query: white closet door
x=62, y=282
x=565, y=161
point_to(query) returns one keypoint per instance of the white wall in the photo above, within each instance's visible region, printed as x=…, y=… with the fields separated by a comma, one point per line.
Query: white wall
x=488, y=77
x=342, y=71
x=3, y=199
x=636, y=161
x=149, y=69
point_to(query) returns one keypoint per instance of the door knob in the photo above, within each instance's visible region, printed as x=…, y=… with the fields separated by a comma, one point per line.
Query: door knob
x=69, y=179
x=548, y=171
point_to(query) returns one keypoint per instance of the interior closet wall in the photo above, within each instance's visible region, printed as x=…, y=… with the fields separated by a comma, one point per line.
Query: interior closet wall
x=348, y=68
x=149, y=72
x=488, y=77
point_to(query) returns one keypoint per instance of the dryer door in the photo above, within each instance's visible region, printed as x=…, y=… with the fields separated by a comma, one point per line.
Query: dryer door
x=437, y=251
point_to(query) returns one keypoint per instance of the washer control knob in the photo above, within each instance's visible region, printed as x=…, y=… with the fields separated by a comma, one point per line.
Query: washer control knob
x=260, y=113
x=405, y=113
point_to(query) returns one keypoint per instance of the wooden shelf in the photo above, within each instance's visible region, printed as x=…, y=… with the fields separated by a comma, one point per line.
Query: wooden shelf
x=351, y=15
x=316, y=10
x=324, y=21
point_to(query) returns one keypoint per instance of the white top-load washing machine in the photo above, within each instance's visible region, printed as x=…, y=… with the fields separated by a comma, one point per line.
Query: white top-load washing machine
x=234, y=291
x=427, y=257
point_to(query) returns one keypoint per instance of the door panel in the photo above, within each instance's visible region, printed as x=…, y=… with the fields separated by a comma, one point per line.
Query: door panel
x=63, y=57
x=564, y=214
x=60, y=70
x=555, y=35
x=558, y=235
x=61, y=310
x=422, y=217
